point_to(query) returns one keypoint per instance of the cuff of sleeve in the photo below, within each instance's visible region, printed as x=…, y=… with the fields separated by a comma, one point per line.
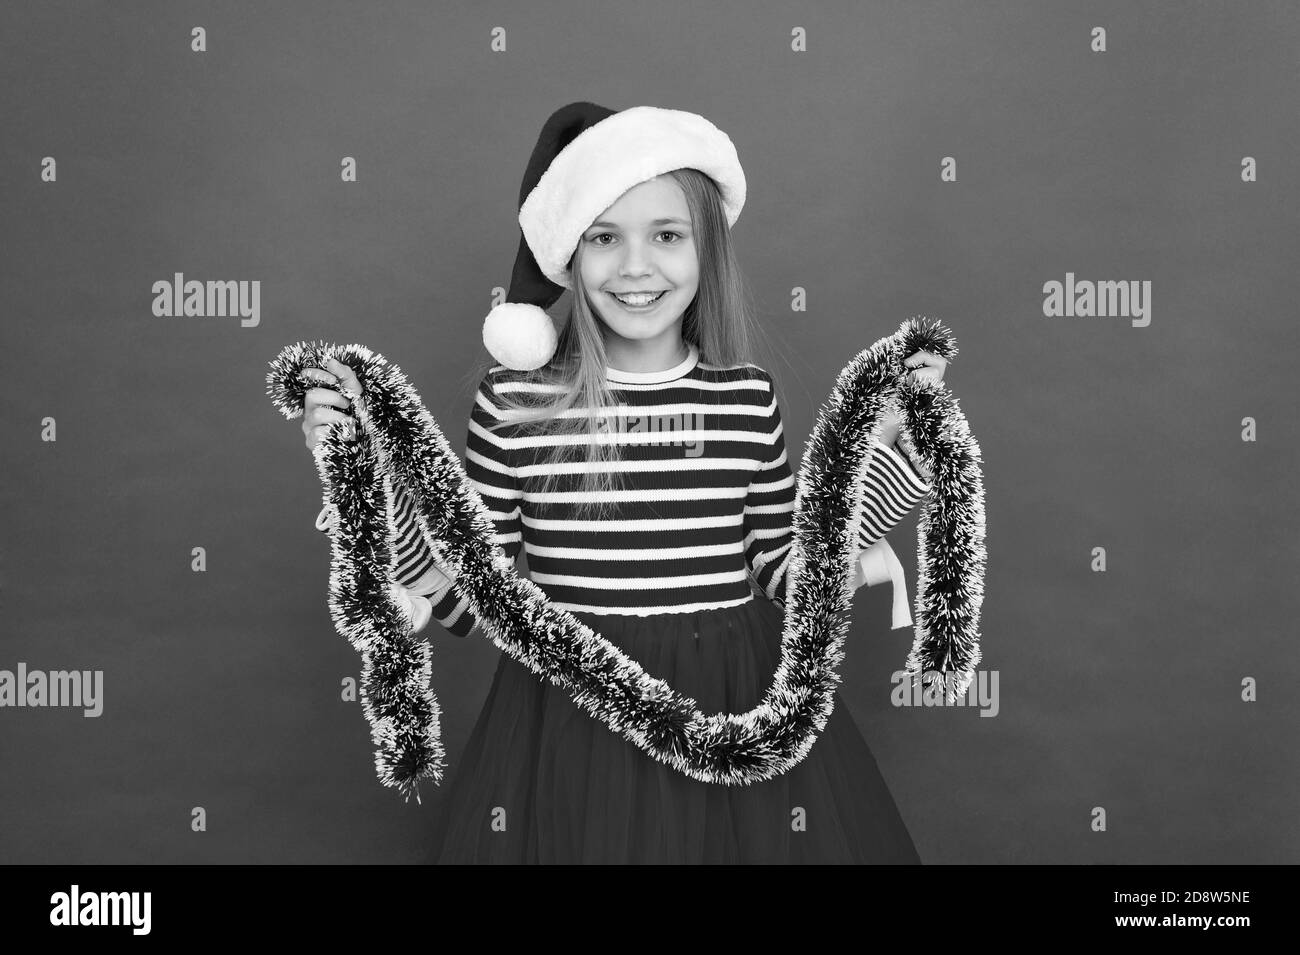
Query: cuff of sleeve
x=417, y=609
x=877, y=564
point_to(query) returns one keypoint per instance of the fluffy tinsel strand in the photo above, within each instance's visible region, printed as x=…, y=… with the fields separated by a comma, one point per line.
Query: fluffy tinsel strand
x=399, y=442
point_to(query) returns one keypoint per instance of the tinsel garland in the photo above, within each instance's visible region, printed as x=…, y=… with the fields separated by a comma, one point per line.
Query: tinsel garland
x=399, y=442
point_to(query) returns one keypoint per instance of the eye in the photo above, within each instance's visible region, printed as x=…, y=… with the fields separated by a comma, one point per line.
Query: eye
x=669, y=232
x=598, y=235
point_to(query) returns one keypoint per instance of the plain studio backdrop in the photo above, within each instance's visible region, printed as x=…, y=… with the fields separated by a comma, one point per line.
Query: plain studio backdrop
x=941, y=159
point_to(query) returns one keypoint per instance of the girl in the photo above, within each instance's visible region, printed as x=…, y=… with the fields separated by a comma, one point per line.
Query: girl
x=638, y=459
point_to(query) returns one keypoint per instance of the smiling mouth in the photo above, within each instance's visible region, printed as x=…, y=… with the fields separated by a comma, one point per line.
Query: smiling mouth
x=638, y=299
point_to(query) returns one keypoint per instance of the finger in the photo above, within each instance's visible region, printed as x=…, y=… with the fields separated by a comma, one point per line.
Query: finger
x=328, y=416
x=320, y=374
x=347, y=377
x=326, y=396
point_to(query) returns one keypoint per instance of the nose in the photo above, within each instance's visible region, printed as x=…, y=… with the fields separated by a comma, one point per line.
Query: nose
x=636, y=260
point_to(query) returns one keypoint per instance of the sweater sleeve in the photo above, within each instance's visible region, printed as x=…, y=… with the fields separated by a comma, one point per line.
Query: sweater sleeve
x=891, y=489
x=769, y=508
x=428, y=585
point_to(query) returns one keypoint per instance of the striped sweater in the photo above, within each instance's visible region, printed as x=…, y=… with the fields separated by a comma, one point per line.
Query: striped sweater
x=704, y=510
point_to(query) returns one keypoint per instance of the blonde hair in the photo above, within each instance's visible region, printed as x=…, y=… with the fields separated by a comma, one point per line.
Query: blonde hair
x=719, y=322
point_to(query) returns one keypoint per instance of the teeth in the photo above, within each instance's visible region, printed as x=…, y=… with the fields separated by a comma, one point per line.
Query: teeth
x=642, y=298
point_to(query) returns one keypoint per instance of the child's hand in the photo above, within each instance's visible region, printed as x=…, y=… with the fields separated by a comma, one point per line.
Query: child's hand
x=319, y=403
x=925, y=366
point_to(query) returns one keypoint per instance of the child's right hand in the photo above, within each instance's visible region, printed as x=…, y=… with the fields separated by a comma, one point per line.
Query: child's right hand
x=319, y=406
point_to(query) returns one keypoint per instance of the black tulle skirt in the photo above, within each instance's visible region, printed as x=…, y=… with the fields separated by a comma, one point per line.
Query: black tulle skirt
x=541, y=781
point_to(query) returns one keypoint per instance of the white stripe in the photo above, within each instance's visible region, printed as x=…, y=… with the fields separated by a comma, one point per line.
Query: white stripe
x=672, y=464
x=646, y=524
x=763, y=558
x=680, y=409
x=488, y=463
x=492, y=490
x=633, y=553
x=624, y=437
x=655, y=494
x=765, y=533
x=781, y=569
x=650, y=611
x=536, y=388
x=640, y=583
x=766, y=487
x=482, y=401
x=457, y=612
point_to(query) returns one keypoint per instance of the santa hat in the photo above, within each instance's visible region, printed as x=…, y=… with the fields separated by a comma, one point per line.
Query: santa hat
x=585, y=158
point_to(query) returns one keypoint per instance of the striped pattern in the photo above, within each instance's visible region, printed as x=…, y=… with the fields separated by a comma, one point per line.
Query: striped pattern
x=705, y=507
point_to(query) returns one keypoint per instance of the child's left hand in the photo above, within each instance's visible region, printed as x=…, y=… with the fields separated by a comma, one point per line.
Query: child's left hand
x=925, y=367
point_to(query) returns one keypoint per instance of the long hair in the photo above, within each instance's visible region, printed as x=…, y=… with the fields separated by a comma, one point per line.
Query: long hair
x=575, y=396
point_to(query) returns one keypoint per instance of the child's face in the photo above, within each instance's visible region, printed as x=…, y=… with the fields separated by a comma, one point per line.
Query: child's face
x=627, y=250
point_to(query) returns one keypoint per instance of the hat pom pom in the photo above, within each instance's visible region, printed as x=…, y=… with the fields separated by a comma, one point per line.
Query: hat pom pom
x=522, y=337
